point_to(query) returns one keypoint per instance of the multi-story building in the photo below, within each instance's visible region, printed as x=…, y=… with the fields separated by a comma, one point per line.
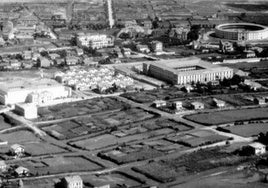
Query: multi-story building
x=27, y=110
x=186, y=71
x=95, y=41
x=20, y=91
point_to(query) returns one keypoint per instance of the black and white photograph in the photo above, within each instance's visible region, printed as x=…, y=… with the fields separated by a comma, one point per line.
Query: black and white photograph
x=133, y=93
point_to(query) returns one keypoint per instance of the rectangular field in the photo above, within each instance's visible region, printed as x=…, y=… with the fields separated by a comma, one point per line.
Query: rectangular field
x=222, y=117
x=19, y=137
x=248, y=130
x=42, y=148
x=55, y=165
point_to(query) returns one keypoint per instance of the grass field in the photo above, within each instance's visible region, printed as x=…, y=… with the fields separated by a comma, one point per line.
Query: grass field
x=216, y=118
x=197, y=138
x=19, y=137
x=248, y=130
x=129, y=154
x=113, y=179
x=54, y=165
x=41, y=148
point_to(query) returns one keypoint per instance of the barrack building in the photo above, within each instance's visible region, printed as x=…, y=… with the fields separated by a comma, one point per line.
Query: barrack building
x=186, y=70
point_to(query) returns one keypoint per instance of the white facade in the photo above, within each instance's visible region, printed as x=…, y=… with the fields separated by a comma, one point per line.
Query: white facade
x=23, y=91
x=258, y=147
x=27, y=110
x=72, y=182
x=184, y=71
x=242, y=31
x=95, y=41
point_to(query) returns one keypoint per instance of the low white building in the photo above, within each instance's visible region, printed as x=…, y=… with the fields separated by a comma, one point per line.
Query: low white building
x=3, y=166
x=157, y=46
x=159, y=103
x=17, y=150
x=177, y=105
x=219, y=103
x=259, y=148
x=72, y=182
x=22, y=171
x=27, y=110
x=197, y=105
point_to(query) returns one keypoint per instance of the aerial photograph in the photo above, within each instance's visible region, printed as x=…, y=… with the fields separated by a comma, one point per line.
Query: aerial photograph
x=133, y=93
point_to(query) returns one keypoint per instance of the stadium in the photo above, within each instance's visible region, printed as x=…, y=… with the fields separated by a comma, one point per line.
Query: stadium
x=241, y=31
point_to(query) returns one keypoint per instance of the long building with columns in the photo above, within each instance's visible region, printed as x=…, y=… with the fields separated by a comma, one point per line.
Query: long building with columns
x=186, y=70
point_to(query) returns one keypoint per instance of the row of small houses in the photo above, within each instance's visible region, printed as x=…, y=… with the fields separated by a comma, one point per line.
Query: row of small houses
x=196, y=105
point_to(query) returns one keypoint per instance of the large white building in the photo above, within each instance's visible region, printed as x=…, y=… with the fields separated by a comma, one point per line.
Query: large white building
x=37, y=91
x=241, y=31
x=186, y=70
x=95, y=41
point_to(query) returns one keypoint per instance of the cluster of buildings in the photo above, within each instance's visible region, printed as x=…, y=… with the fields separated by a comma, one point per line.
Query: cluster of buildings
x=93, y=78
x=186, y=71
x=26, y=94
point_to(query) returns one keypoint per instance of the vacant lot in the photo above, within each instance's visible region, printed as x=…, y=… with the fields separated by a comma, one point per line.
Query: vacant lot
x=68, y=110
x=54, y=165
x=216, y=118
x=248, y=129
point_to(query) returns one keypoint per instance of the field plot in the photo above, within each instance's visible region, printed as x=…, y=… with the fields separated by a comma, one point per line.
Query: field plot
x=42, y=183
x=96, y=123
x=131, y=153
x=216, y=118
x=19, y=137
x=41, y=148
x=169, y=170
x=197, y=138
x=111, y=140
x=68, y=110
x=235, y=100
x=150, y=96
x=133, y=132
x=248, y=130
x=113, y=179
x=54, y=165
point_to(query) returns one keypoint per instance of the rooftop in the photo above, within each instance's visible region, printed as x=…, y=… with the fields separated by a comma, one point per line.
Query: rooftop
x=257, y=145
x=73, y=179
x=189, y=65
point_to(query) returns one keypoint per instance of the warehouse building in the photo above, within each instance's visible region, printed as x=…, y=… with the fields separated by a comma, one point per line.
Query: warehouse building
x=32, y=91
x=186, y=70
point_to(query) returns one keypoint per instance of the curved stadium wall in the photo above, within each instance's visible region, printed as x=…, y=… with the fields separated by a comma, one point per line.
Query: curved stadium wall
x=241, y=31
